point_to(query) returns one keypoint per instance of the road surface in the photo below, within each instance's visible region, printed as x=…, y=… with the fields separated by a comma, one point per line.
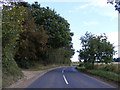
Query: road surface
x=67, y=77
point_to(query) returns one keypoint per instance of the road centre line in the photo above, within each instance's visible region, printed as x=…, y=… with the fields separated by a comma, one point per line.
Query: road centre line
x=65, y=79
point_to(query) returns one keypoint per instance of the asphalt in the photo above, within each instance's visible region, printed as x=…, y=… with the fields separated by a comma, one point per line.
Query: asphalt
x=67, y=77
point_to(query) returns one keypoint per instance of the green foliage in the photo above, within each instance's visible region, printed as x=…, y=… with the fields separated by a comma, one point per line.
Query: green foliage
x=32, y=47
x=82, y=69
x=11, y=72
x=105, y=71
x=47, y=39
x=59, y=56
x=57, y=27
x=12, y=20
x=32, y=34
x=81, y=65
x=108, y=67
x=89, y=66
x=86, y=65
x=96, y=48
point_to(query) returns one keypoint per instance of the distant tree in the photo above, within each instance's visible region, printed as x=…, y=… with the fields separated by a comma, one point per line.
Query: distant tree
x=96, y=48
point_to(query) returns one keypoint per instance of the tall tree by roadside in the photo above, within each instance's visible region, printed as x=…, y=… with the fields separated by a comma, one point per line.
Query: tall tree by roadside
x=57, y=28
x=96, y=48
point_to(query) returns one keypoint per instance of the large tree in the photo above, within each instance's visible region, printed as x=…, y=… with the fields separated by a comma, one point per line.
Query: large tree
x=57, y=34
x=96, y=48
x=56, y=26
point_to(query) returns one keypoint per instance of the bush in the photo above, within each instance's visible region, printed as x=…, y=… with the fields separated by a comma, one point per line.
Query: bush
x=24, y=64
x=81, y=64
x=88, y=66
x=83, y=69
x=10, y=70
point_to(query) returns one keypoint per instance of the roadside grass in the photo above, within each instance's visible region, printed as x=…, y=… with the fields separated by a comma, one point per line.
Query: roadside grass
x=108, y=67
x=106, y=71
x=75, y=63
x=41, y=67
x=38, y=67
x=106, y=74
x=82, y=69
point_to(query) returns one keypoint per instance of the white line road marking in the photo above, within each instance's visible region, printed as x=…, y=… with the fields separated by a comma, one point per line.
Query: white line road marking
x=65, y=79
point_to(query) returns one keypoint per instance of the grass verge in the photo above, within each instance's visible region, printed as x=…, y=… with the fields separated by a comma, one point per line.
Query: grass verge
x=101, y=73
x=106, y=74
x=43, y=67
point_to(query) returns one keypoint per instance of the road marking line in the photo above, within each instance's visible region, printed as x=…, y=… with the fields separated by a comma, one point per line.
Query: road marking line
x=65, y=80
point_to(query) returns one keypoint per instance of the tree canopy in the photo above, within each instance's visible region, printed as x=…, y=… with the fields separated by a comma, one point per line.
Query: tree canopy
x=96, y=48
x=36, y=32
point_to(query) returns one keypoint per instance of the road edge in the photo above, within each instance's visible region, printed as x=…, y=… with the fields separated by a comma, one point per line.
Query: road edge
x=106, y=81
x=25, y=81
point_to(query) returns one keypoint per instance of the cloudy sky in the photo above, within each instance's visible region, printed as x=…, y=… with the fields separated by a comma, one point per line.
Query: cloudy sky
x=95, y=16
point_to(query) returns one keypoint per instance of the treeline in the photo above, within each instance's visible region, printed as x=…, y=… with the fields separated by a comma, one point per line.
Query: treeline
x=33, y=34
x=95, y=49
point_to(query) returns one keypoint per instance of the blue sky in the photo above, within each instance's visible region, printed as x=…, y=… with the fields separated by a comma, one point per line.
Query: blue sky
x=93, y=16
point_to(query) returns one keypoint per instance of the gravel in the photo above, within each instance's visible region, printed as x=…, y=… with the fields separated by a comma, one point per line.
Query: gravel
x=29, y=78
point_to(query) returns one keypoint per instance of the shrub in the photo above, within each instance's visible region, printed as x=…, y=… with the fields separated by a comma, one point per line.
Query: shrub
x=83, y=69
x=10, y=70
x=81, y=64
x=89, y=66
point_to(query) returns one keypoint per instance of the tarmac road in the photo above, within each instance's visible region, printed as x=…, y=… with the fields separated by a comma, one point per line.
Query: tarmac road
x=67, y=77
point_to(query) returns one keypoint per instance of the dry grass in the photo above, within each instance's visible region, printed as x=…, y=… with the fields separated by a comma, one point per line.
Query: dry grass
x=107, y=71
x=113, y=67
x=41, y=67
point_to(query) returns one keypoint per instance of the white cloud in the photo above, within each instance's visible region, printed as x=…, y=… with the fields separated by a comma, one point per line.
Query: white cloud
x=101, y=3
x=106, y=11
x=89, y=23
x=71, y=11
x=100, y=7
x=113, y=37
x=84, y=6
x=75, y=57
x=95, y=3
x=76, y=46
